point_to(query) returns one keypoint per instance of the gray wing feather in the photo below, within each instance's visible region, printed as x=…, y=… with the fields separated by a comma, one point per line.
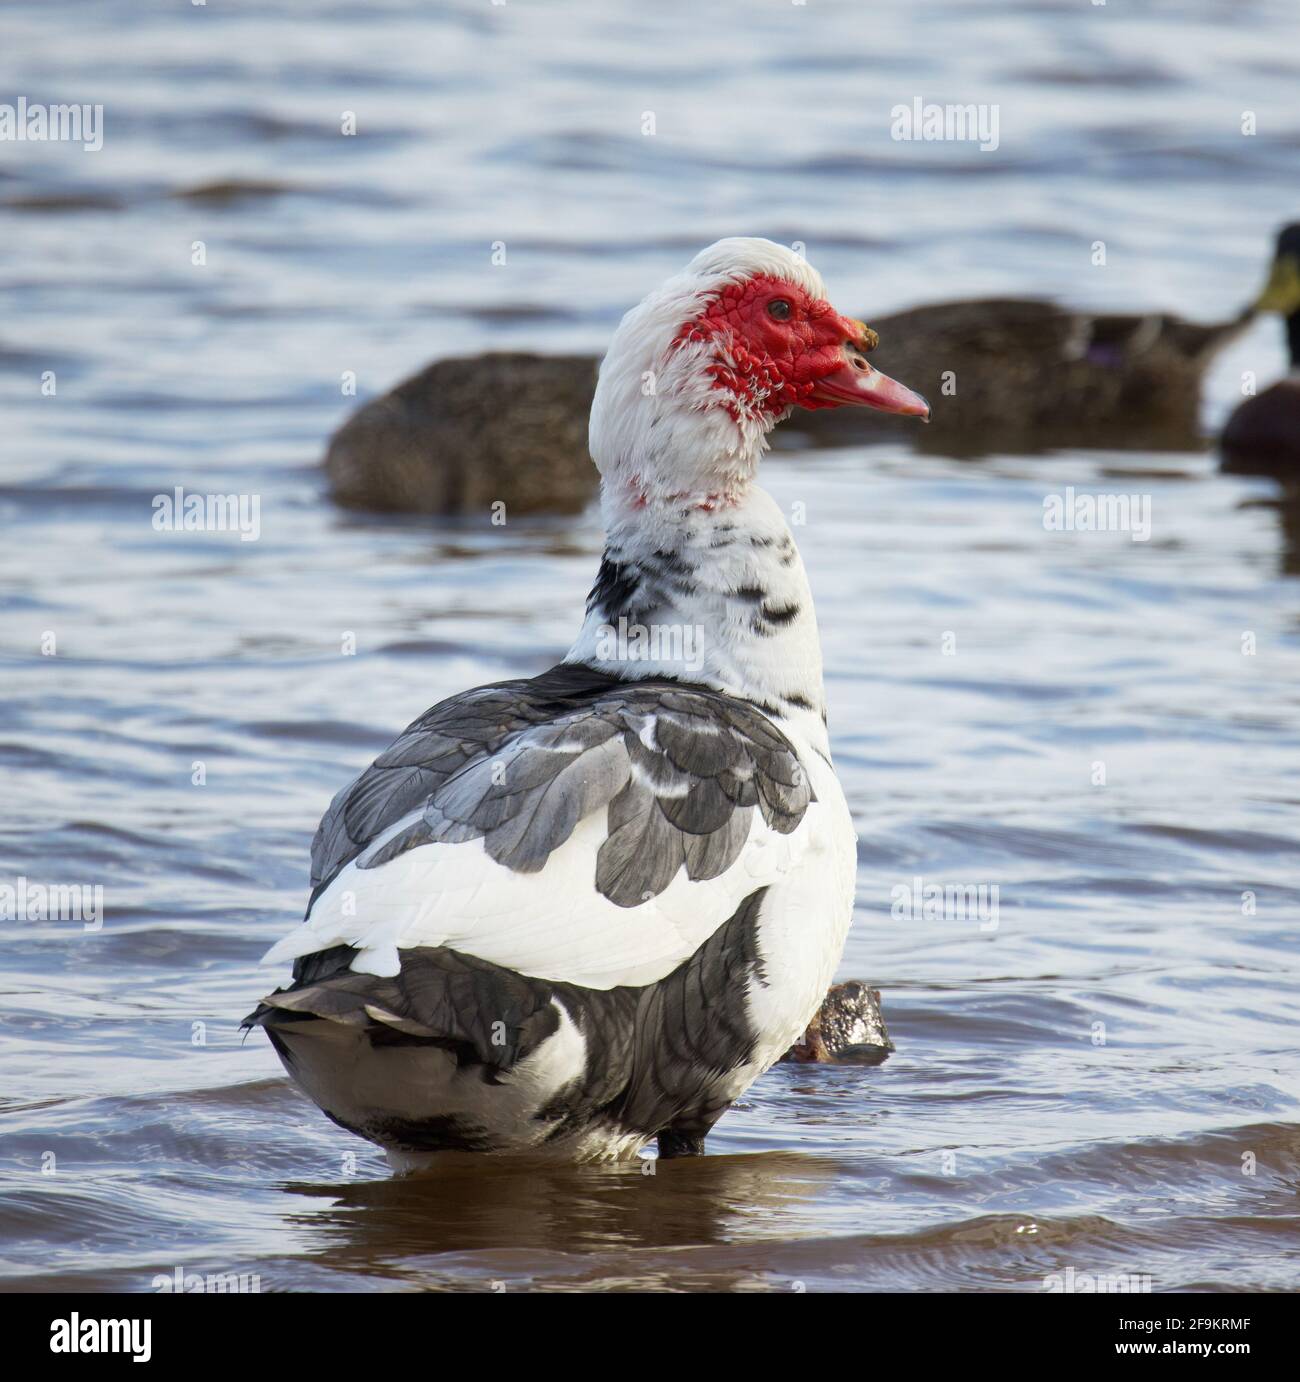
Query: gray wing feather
x=679, y=771
x=642, y=852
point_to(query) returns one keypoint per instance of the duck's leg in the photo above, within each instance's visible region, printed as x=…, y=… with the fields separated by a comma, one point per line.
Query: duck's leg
x=675, y=1142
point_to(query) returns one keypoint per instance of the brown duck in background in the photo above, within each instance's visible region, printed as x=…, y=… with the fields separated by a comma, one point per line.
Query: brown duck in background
x=1019, y=375
x=464, y=433
x=1262, y=437
x=1003, y=374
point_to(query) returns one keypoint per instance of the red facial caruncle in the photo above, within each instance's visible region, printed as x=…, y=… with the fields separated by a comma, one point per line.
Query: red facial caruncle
x=782, y=347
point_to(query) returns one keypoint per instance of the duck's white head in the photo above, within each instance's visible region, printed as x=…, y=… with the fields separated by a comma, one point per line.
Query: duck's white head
x=701, y=371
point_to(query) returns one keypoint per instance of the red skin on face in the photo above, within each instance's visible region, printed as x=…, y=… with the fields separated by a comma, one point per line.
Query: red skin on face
x=777, y=362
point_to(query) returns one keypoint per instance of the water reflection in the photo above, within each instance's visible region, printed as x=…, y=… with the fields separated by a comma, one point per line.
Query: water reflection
x=529, y=1212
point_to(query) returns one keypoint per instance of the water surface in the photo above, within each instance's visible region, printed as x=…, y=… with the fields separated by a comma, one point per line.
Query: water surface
x=1107, y=1080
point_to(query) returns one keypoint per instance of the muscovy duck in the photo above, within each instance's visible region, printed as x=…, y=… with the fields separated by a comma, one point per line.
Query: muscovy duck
x=573, y=913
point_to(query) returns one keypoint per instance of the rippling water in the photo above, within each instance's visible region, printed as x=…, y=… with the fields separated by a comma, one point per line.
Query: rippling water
x=1002, y=1142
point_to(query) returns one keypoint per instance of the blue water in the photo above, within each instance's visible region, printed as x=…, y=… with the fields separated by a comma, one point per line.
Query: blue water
x=1009, y=1136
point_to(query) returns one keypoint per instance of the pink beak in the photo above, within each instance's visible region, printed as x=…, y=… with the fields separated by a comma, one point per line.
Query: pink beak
x=859, y=382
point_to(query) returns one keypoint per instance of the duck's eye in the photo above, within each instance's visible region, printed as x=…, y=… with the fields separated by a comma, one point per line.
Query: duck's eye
x=778, y=308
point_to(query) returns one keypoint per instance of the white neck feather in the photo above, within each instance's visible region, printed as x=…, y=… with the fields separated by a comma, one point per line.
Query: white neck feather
x=715, y=595
x=701, y=578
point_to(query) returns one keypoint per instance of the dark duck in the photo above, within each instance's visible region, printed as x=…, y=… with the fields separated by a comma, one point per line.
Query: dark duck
x=1020, y=376
x=1262, y=437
